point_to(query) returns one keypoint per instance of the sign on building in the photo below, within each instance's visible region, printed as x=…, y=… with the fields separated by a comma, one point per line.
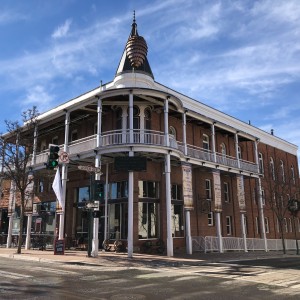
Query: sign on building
x=241, y=192
x=217, y=191
x=187, y=185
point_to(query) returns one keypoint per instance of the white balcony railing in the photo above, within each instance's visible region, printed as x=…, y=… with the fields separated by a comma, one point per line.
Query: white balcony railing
x=150, y=137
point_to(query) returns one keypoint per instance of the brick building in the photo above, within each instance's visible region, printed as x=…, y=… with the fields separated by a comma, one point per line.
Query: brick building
x=207, y=174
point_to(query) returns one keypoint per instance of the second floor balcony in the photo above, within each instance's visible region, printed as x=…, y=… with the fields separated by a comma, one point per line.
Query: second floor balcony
x=154, y=139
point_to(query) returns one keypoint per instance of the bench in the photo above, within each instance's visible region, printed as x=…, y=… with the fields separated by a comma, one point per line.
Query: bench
x=114, y=245
x=153, y=247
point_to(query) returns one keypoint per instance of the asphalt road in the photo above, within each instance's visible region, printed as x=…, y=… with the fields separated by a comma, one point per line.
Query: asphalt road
x=258, y=279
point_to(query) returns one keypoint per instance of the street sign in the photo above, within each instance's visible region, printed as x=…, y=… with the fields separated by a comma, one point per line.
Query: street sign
x=64, y=157
x=90, y=169
x=91, y=205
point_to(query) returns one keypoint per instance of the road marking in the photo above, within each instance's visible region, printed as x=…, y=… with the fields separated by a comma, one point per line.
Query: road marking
x=13, y=275
x=56, y=271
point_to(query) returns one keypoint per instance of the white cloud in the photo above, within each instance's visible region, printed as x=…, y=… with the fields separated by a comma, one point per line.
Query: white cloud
x=10, y=17
x=62, y=30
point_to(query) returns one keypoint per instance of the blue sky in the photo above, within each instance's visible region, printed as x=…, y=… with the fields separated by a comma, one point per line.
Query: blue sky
x=241, y=57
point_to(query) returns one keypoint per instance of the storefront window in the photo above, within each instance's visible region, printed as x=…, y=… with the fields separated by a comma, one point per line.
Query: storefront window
x=118, y=221
x=148, y=220
x=43, y=220
x=148, y=189
x=177, y=220
x=83, y=194
x=119, y=190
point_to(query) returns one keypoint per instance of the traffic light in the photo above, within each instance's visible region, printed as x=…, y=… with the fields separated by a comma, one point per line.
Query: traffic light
x=98, y=190
x=53, y=157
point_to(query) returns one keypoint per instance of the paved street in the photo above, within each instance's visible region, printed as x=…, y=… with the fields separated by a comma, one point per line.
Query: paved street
x=112, y=276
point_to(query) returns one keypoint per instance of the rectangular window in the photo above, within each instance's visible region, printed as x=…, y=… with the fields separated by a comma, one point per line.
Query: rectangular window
x=257, y=225
x=148, y=220
x=210, y=219
x=118, y=190
x=177, y=220
x=148, y=189
x=55, y=140
x=285, y=225
x=226, y=192
x=267, y=225
x=263, y=197
x=229, y=225
x=208, y=189
x=176, y=192
x=246, y=224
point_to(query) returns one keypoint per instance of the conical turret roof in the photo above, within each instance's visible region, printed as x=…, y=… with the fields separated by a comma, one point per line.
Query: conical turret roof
x=134, y=58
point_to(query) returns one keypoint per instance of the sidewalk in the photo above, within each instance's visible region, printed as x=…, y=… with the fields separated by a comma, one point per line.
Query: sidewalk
x=111, y=259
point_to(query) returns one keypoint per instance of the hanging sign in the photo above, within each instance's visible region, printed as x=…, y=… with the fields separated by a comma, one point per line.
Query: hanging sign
x=187, y=185
x=29, y=194
x=241, y=192
x=12, y=198
x=217, y=191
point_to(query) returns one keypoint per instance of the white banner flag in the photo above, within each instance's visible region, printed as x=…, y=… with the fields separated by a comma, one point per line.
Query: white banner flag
x=56, y=185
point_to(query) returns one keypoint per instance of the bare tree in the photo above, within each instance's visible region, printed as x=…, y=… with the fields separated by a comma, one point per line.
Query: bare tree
x=279, y=189
x=16, y=147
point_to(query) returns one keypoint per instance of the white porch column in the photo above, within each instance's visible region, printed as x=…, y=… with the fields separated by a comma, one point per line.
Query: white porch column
x=28, y=232
x=261, y=215
x=142, y=124
x=95, y=240
x=130, y=183
x=213, y=142
x=64, y=179
x=244, y=231
x=10, y=228
x=11, y=211
x=99, y=122
x=124, y=124
x=219, y=231
x=189, y=246
x=168, y=205
x=236, y=142
x=34, y=144
x=130, y=211
x=184, y=132
x=106, y=205
x=166, y=122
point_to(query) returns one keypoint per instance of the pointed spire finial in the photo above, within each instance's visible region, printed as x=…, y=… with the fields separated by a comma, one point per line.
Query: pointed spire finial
x=134, y=16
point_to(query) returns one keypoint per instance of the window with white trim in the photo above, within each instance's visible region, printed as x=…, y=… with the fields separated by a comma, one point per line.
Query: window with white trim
x=239, y=150
x=229, y=225
x=226, y=192
x=263, y=197
x=205, y=141
x=282, y=171
x=272, y=169
x=223, y=149
x=74, y=135
x=293, y=174
x=210, y=219
x=267, y=229
x=208, y=189
x=261, y=163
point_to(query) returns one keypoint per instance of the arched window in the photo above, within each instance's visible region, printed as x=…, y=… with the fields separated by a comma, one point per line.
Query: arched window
x=172, y=132
x=119, y=114
x=293, y=174
x=147, y=114
x=261, y=163
x=282, y=171
x=223, y=149
x=272, y=169
x=205, y=141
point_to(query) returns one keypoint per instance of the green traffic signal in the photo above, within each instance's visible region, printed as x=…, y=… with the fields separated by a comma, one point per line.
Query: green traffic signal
x=98, y=193
x=53, y=157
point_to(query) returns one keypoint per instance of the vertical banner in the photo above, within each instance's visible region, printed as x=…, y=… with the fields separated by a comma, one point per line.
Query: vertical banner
x=187, y=185
x=241, y=192
x=29, y=194
x=12, y=198
x=217, y=191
